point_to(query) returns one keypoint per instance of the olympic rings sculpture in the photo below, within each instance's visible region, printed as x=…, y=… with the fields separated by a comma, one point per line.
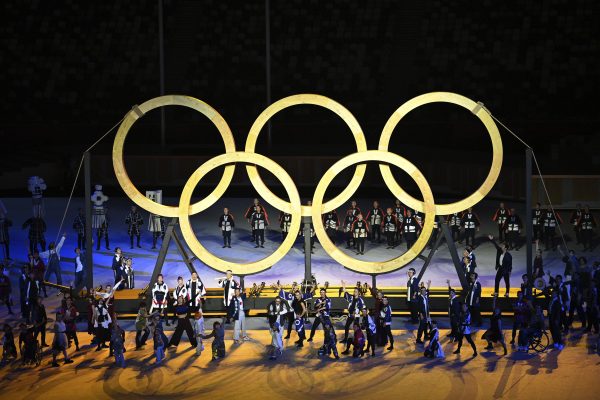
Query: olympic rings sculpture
x=185, y=209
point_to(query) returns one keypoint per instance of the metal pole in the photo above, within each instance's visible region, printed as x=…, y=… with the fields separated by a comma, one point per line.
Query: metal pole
x=528, y=213
x=89, y=259
x=161, y=63
x=374, y=281
x=307, y=248
x=268, y=63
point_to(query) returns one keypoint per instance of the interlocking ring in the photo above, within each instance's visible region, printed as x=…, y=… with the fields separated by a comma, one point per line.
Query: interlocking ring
x=195, y=245
x=490, y=125
x=372, y=267
x=185, y=209
x=316, y=100
x=119, y=165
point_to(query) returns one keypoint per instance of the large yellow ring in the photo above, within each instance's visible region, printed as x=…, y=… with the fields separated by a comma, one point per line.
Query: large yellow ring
x=216, y=262
x=317, y=100
x=119, y=166
x=481, y=113
x=371, y=267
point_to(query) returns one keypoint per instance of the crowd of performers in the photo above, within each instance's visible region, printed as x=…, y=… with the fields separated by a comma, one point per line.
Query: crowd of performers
x=574, y=293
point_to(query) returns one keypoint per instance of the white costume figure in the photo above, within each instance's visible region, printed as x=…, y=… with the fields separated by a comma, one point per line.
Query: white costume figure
x=229, y=285
x=36, y=186
x=159, y=297
x=98, y=211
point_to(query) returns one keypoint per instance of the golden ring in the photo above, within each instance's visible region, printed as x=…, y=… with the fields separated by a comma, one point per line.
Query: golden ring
x=317, y=100
x=200, y=251
x=481, y=113
x=132, y=192
x=373, y=267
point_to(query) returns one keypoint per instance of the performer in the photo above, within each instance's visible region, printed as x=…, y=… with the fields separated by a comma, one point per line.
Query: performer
x=465, y=330
x=470, y=223
x=368, y=325
x=360, y=231
x=117, y=265
x=500, y=217
x=538, y=264
x=495, y=334
x=537, y=220
x=156, y=225
x=355, y=304
x=575, y=222
x=550, y=220
x=180, y=290
x=195, y=292
x=357, y=342
x=128, y=274
x=412, y=288
x=218, y=344
x=229, y=285
x=158, y=336
x=474, y=298
x=289, y=298
x=285, y=222
x=52, y=257
x=199, y=331
x=330, y=345
x=385, y=315
x=331, y=222
x=32, y=292
x=59, y=342
x=36, y=186
x=503, y=266
x=226, y=223
x=183, y=323
x=117, y=344
x=555, y=311
x=99, y=215
x=351, y=216
x=141, y=326
x=522, y=316
x=399, y=212
x=70, y=313
x=374, y=218
x=250, y=211
x=410, y=227
x=159, y=297
x=259, y=223
x=5, y=223
x=79, y=227
x=454, y=309
x=237, y=313
x=434, y=349
x=322, y=306
x=5, y=290
x=102, y=319
x=134, y=221
x=454, y=221
x=79, y=269
x=423, y=312
x=587, y=224
x=277, y=310
x=39, y=320
x=300, y=312
x=512, y=227
x=37, y=228
x=390, y=225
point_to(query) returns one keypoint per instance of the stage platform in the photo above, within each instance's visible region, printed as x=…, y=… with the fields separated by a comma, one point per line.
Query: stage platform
x=301, y=374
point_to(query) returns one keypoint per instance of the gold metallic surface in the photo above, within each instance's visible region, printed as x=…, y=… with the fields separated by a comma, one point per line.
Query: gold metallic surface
x=132, y=192
x=317, y=100
x=486, y=119
x=373, y=267
x=200, y=251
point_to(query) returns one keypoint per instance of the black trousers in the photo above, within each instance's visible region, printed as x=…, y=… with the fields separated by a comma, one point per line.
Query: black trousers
x=455, y=233
x=469, y=339
x=155, y=236
x=454, y=332
x=476, y=314
x=360, y=244
x=137, y=241
x=577, y=234
x=349, y=322
x=555, y=330
x=538, y=233
x=586, y=238
x=33, y=244
x=469, y=236
x=259, y=236
x=81, y=241
x=576, y=304
x=410, y=238
x=592, y=319
x=517, y=325
x=433, y=238
x=391, y=238
x=512, y=239
x=370, y=341
x=100, y=235
x=332, y=234
x=387, y=331
x=290, y=321
x=183, y=324
x=72, y=335
x=502, y=274
x=350, y=242
x=40, y=330
x=422, y=331
x=226, y=238
x=398, y=236
x=141, y=336
x=412, y=307
x=375, y=231
x=501, y=234
x=315, y=325
x=549, y=234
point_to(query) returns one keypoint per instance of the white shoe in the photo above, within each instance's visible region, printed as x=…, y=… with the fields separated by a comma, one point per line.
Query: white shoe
x=246, y=338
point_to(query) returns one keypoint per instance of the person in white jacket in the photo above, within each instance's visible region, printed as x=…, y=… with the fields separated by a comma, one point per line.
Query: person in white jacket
x=52, y=256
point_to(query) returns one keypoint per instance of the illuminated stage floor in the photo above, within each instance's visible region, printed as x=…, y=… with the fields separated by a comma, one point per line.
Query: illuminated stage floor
x=300, y=374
